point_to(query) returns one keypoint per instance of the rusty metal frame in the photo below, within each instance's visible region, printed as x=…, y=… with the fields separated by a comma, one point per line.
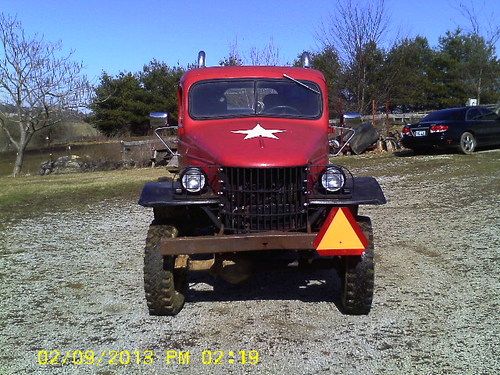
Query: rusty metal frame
x=348, y=140
x=157, y=133
x=237, y=243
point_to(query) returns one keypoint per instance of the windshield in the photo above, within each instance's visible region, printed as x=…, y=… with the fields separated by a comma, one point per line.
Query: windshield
x=266, y=98
x=453, y=114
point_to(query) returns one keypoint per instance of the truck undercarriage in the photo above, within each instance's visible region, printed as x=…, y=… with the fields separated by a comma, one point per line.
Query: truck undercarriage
x=253, y=215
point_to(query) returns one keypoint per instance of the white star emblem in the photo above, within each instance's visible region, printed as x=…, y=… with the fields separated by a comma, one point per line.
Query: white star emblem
x=258, y=131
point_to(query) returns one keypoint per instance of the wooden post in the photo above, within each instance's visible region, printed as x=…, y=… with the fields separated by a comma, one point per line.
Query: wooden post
x=153, y=162
x=374, y=109
x=387, y=118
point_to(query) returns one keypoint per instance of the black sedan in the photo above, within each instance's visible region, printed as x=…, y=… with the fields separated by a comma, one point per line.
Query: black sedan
x=463, y=128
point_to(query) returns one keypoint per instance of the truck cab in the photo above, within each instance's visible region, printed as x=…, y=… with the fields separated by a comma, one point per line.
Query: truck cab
x=255, y=181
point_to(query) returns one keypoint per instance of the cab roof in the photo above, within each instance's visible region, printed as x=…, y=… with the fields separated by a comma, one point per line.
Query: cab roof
x=234, y=72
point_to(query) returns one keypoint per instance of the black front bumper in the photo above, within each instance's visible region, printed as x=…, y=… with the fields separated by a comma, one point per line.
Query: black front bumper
x=366, y=191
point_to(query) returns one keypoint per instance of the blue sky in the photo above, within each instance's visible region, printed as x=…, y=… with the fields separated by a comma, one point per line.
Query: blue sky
x=124, y=35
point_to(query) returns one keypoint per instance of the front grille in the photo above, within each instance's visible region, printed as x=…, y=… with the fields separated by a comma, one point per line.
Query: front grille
x=263, y=199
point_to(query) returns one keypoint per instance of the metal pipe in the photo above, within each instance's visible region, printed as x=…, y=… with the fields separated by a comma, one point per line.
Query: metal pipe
x=163, y=141
x=305, y=60
x=201, y=59
x=348, y=140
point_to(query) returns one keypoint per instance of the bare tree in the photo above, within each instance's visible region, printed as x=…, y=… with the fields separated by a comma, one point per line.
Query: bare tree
x=352, y=30
x=37, y=82
x=479, y=45
x=234, y=57
x=269, y=55
x=488, y=28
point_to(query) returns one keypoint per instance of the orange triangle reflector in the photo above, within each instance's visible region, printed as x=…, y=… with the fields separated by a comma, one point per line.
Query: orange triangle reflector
x=340, y=235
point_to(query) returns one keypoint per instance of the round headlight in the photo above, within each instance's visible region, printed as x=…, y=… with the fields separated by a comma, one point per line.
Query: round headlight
x=333, y=179
x=193, y=180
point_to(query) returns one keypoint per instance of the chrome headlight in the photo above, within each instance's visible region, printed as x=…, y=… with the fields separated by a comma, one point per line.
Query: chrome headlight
x=333, y=179
x=193, y=180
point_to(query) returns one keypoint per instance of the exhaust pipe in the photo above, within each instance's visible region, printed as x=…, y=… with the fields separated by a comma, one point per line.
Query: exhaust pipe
x=305, y=59
x=201, y=59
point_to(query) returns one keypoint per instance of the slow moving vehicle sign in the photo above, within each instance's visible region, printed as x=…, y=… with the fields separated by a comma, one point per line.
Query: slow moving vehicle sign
x=340, y=235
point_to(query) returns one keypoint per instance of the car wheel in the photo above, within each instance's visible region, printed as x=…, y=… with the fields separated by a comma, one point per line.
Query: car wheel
x=467, y=143
x=164, y=285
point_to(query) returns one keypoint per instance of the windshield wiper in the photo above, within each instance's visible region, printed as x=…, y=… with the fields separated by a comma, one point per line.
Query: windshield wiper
x=300, y=83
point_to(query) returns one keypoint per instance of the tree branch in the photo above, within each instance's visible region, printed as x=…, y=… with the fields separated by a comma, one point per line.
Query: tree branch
x=37, y=80
x=3, y=125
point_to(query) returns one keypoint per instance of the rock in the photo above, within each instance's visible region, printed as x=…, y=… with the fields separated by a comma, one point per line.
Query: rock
x=46, y=168
x=365, y=136
x=63, y=165
x=77, y=164
x=68, y=164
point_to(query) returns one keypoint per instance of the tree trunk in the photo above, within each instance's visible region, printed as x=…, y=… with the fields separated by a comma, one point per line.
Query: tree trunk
x=479, y=87
x=363, y=90
x=21, y=147
x=19, y=162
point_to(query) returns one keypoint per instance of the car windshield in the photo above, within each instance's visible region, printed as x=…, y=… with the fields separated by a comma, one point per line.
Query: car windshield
x=261, y=97
x=455, y=114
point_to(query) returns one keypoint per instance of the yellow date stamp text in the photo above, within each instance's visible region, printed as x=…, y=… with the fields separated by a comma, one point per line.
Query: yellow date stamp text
x=147, y=357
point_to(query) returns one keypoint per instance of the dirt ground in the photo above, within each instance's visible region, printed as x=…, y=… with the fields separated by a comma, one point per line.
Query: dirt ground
x=72, y=280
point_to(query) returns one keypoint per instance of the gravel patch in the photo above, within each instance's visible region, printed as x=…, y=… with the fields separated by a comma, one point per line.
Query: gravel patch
x=73, y=281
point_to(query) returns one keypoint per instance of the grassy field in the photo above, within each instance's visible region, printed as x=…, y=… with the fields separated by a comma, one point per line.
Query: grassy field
x=26, y=195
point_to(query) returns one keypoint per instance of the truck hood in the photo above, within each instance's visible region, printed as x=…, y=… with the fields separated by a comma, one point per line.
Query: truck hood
x=256, y=143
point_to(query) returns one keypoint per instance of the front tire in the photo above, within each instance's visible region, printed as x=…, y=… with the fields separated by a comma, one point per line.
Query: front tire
x=358, y=276
x=164, y=285
x=467, y=143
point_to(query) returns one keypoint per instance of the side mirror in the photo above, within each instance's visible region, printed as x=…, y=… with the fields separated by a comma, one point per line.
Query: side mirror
x=158, y=119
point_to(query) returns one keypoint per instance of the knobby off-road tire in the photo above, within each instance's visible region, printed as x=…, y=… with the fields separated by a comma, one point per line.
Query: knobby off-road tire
x=467, y=143
x=164, y=285
x=358, y=276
